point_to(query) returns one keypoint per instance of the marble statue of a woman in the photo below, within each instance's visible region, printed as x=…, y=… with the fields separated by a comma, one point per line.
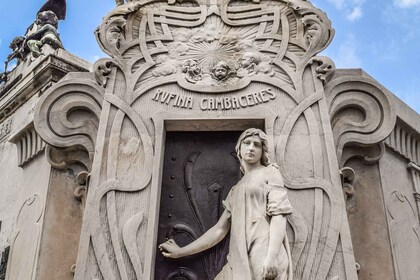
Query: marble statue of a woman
x=255, y=213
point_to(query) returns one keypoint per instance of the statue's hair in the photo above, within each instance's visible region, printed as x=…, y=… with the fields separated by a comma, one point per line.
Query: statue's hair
x=187, y=64
x=255, y=56
x=17, y=42
x=47, y=17
x=221, y=64
x=265, y=157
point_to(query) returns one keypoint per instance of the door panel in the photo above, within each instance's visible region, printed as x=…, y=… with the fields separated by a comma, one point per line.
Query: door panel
x=199, y=170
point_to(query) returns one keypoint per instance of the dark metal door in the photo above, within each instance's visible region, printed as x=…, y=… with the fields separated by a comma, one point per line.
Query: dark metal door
x=199, y=170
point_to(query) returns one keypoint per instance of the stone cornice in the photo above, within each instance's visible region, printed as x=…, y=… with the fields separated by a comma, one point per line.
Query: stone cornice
x=36, y=78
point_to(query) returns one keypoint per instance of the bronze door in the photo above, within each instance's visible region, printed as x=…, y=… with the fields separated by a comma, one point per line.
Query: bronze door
x=199, y=170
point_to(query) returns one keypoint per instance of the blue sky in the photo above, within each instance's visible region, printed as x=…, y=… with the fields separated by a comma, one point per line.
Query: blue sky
x=380, y=36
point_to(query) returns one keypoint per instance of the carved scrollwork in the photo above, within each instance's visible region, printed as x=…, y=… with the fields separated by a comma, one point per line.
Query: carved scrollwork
x=361, y=112
x=348, y=178
x=318, y=33
x=67, y=117
x=102, y=69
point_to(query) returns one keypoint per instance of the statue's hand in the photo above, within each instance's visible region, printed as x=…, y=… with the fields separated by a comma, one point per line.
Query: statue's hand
x=170, y=249
x=270, y=269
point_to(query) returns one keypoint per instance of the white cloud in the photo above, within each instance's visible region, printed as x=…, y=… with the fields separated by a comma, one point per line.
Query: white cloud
x=352, y=8
x=407, y=3
x=355, y=14
x=347, y=55
x=94, y=58
x=11, y=66
x=339, y=4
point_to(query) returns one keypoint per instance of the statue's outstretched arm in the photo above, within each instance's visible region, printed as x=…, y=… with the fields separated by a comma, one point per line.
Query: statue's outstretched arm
x=210, y=238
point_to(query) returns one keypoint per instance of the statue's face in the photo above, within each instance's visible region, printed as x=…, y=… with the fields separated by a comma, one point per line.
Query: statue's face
x=194, y=67
x=246, y=60
x=220, y=72
x=251, y=149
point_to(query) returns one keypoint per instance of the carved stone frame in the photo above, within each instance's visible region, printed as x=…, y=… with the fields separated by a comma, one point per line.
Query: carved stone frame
x=163, y=122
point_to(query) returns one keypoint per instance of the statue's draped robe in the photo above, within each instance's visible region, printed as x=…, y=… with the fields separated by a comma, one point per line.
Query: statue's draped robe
x=250, y=204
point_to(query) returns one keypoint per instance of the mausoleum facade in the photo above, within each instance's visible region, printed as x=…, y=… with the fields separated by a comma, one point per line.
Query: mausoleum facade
x=102, y=163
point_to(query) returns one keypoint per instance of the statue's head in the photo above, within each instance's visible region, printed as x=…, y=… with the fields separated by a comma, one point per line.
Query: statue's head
x=16, y=43
x=47, y=17
x=250, y=57
x=191, y=66
x=221, y=70
x=265, y=156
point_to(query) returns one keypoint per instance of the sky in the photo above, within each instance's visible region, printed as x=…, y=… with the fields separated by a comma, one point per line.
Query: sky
x=380, y=36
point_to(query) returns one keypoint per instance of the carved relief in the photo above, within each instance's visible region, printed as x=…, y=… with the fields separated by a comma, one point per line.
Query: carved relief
x=249, y=42
x=415, y=176
x=26, y=233
x=405, y=233
x=5, y=128
x=215, y=60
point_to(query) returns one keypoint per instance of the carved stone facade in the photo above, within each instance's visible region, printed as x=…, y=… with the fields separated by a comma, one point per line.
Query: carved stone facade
x=346, y=147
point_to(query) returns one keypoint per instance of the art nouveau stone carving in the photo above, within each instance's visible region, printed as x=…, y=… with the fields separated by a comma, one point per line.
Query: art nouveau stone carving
x=26, y=233
x=361, y=114
x=415, y=175
x=202, y=65
x=5, y=128
x=405, y=232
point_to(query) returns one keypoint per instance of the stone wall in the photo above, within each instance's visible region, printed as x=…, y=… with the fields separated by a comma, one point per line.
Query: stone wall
x=25, y=171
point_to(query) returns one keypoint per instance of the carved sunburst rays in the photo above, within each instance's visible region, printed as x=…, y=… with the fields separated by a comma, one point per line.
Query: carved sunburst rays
x=210, y=54
x=212, y=42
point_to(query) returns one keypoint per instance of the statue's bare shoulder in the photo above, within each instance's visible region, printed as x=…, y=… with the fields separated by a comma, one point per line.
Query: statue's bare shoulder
x=272, y=176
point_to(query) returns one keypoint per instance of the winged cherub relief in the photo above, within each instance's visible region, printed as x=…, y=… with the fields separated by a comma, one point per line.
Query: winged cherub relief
x=191, y=70
x=252, y=63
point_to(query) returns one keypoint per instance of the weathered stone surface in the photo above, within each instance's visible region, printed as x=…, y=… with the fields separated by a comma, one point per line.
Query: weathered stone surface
x=25, y=240
x=61, y=234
